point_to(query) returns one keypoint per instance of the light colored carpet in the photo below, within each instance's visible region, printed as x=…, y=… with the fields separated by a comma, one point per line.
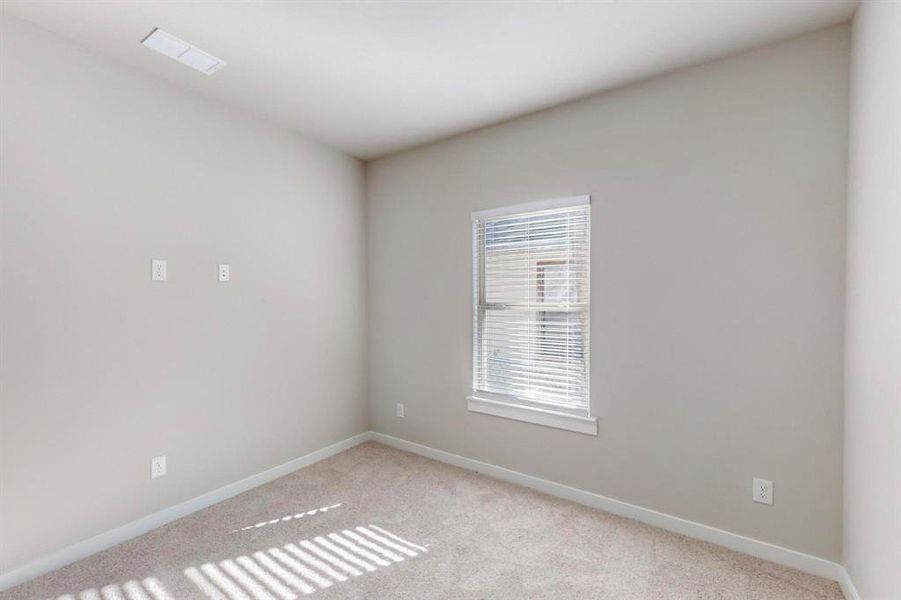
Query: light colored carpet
x=428, y=531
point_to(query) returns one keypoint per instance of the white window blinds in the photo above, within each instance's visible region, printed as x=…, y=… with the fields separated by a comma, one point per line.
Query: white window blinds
x=530, y=305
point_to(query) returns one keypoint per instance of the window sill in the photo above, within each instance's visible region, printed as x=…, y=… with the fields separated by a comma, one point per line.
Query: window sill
x=539, y=416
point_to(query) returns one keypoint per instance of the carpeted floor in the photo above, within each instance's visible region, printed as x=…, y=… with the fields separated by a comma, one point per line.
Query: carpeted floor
x=378, y=523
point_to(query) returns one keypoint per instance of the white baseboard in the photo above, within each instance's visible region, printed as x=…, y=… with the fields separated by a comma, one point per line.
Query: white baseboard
x=110, y=538
x=848, y=588
x=777, y=554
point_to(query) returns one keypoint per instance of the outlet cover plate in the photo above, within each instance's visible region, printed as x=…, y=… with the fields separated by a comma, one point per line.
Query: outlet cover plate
x=157, y=269
x=157, y=466
x=763, y=491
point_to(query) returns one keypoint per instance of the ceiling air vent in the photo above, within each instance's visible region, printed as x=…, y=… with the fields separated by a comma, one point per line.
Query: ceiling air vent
x=183, y=52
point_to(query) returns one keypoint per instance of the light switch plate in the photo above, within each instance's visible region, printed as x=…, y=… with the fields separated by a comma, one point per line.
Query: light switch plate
x=224, y=274
x=158, y=269
x=400, y=410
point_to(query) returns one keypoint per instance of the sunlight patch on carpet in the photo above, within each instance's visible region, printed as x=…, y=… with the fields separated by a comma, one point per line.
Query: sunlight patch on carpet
x=302, y=568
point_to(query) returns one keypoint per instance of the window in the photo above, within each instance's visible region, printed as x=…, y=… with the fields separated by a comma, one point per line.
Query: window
x=531, y=312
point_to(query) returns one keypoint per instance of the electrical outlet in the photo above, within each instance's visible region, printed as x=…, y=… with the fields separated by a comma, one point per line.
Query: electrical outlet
x=157, y=467
x=763, y=491
x=224, y=273
x=400, y=410
x=157, y=270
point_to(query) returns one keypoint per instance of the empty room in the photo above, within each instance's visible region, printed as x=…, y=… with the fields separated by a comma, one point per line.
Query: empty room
x=474, y=299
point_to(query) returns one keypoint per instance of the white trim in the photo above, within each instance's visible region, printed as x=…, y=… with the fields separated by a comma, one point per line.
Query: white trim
x=526, y=207
x=107, y=539
x=847, y=585
x=777, y=554
x=529, y=414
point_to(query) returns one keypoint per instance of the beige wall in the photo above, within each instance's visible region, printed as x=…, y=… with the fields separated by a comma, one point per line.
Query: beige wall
x=872, y=481
x=104, y=168
x=718, y=224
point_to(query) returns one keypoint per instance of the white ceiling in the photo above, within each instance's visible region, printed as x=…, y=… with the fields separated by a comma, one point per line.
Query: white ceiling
x=371, y=78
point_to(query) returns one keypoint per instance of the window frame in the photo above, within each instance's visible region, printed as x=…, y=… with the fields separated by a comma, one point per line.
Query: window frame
x=511, y=407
